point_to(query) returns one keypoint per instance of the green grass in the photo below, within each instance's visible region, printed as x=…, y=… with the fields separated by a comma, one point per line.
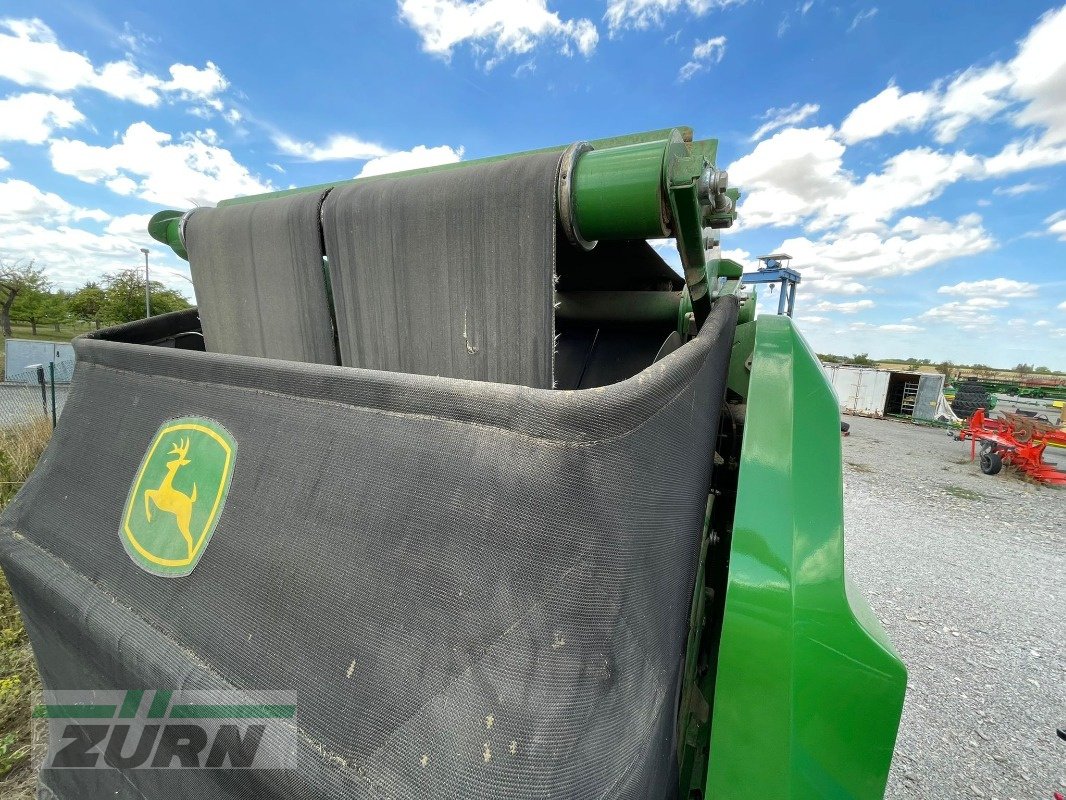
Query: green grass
x=20, y=447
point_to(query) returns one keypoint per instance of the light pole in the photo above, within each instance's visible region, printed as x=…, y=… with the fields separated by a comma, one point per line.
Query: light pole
x=147, y=287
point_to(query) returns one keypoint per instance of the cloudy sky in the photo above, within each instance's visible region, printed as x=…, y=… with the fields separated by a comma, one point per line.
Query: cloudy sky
x=910, y=156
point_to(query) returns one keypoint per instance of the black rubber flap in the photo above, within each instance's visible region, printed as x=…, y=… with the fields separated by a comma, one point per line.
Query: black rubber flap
x=477, y=590
x=258, y=272
x=449, y=273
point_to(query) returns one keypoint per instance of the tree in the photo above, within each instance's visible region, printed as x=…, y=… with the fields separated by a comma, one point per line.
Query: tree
x=1021, y=370
x=57, y=309
x=950, y=372
x=16, y=278
x=87, y=304
x=30, y=305
x=862, y=360
x=124, y=297
x=1043, y=371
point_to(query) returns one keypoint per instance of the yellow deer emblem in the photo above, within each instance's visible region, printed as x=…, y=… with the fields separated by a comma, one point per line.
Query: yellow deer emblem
x=167, y=498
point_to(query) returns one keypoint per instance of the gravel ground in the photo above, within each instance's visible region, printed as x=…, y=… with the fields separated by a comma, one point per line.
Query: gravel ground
x=968, y=574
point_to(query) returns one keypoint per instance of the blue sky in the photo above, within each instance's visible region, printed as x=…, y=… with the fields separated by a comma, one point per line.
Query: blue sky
x=911, y=156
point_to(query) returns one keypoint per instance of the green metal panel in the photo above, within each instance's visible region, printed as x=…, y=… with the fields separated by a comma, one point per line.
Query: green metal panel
x=618, y=192
x=739, y=361
x=686, y=214
x=747, y=307
x=809, y=690
x=729, y=268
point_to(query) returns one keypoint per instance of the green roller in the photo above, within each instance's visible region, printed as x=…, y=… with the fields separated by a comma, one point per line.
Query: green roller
x=618, y=192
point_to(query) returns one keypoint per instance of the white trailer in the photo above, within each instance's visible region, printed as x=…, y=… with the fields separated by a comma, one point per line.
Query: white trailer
x=872, y=392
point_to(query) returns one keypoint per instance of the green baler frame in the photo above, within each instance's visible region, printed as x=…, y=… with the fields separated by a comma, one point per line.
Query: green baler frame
x=792, y=688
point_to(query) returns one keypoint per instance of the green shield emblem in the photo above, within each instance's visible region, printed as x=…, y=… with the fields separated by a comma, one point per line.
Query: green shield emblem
x=177, y=495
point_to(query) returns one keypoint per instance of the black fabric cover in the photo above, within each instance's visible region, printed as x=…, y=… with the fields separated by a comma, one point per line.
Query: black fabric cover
x=627, y=266
x=449, y=273
x=463, y=549
x=258, y=273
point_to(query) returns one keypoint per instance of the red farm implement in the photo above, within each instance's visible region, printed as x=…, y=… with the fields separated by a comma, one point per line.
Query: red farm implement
x=1008, y=441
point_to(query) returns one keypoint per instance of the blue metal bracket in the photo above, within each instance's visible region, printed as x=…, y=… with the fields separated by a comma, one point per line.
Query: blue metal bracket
x=774, y=271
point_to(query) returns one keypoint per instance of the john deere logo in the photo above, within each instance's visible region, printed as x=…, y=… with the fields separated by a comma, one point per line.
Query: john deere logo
x=178, y=495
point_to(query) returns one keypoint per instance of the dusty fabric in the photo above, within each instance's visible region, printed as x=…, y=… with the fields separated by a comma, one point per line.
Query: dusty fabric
x=478, y=590
x=258, y=272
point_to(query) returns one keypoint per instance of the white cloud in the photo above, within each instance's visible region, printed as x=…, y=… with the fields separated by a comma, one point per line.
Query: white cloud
x=192, y=82
x=121, y=185
x=816, y=284
x=786, y=177
x=798, y=176
x=976, y=94
x=861, y=17
x=642, y=14
x=1061, y=306
x=1001, y=287
x=784, y=117
x=899, y=328
x=909, y=179
x=181, y=173
x=72, y=255
x=125, y=81
x=31, y=55
x=31, y=117
x=911, y=245
x=968, y=314
x=1018, y=189
x=1032, y=86
x=1039, y=73
x=704, y=54
x=336, y=148
x=132, y=225
x=1024, y=154
x=508, y=27
x=415, y=158
x=20, y=200
x=741, y=256
x=4, y=163
x=1057, y=225
x=847, y=307
x=380, y=160
x=73, y=244
x=887, y=112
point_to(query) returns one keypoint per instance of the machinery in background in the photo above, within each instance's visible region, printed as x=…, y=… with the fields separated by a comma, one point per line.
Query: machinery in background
x=775, y=272
x=1014, y=440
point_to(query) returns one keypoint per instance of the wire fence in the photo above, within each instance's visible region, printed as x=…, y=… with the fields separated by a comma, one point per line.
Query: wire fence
x=38, y=391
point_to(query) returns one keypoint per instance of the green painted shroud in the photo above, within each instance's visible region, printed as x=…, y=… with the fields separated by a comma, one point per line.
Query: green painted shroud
x=809, y=690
